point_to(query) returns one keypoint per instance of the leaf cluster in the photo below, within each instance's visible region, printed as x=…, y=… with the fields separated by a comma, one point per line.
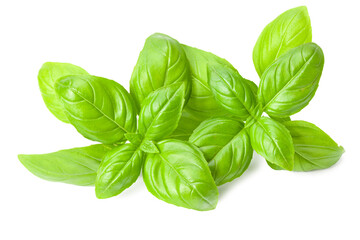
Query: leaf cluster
x=190, y=121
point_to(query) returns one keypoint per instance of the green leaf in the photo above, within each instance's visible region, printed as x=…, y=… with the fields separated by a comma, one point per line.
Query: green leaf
x=281, y=120
x=253, y=86
x=201, y=104
x=314, y=149
x=100, y=109
x=179, y=175
x=225, y=145
x=149, y=146
x=134, y=138
x=161, y=111
x=289, y=84
x=48, y=74
x=161, y=62
x=274, y=166
x=188, y=122
x=273, y=141
x=231, y=91
x=291, y=29
x=118, y=171
x=74, y=166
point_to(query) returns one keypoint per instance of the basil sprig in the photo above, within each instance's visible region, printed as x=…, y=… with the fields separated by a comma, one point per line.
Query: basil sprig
x=190, y=122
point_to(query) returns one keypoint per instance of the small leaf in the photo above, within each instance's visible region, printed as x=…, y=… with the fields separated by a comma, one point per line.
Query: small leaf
x=314, y=149
x=149, y=146
x=281, y=120
x=291, y=29
x=225, y=145
x=289, y=84
x=161, y=111
x=231, y=91
x=100, y=109
x=48, y=74
x=273, y=141
x=179, y=175
x=253, y=86
x=74, y=166
x=118, y=171
x=162, y=62
x=134, y=138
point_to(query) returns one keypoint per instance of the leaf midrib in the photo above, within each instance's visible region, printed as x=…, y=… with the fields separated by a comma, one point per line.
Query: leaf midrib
x=277, y=146
x=292, y=78
x=185, y=180
x=160, y=112
x=99, y=110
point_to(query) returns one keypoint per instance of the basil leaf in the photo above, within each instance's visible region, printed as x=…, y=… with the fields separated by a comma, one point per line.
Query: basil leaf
x=100, y=109
x=48, y=74
x=289, y=84
x=161, y=62
x=314, y=149
x=134, y=138
x=281, y=120
x=118, y=171
x=253, y=86
x=161, y=111
x=201, y=104
x=188, y=122
x=179, y=175
x=273, y=141
x=225, y=145
x=274, y=166
x=291, y=29
x=76, y=166
x=231, y=91
x=148, y=146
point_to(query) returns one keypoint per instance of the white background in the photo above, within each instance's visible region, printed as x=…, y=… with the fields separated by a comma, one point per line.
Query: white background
x=105, y=38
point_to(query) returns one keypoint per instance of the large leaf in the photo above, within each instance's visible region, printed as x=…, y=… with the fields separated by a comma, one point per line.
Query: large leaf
x=161, y=62
x=289, y=84
x=201, y=104
x=161, y=111
x=75, y=166
x=273, y=141
x=225, y=145
x=314, y=149
x=232, y=91
x=48, y=74
x=118, y=171
x=179, y=175
x=99, y=108
x=291, y=29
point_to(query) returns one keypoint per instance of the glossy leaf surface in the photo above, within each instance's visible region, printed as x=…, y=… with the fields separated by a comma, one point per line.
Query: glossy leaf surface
x=253, y=86
x=232, y=91
x=201, y=104
x=149, y=146
x=161, y=111
x=118, y=171
x=75, y=166
x=290, y=29
x=100, y=109
x=314, y=149
x=134, y=138
x=48, y=74
x=225, y=145
x=289, y=84
x=161, y=62
x=273, y=141
x=179, y=175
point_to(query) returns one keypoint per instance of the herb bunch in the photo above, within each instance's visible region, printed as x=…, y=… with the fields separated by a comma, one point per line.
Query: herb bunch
x=190, y=122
